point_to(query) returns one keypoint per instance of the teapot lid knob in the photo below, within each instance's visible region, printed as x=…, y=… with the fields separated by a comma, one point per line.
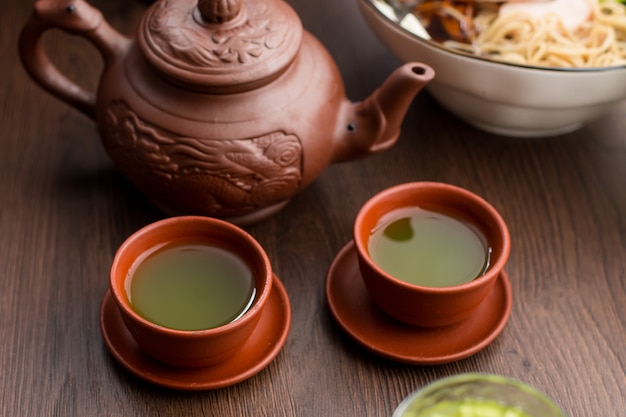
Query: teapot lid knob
x=219, y=11
x=220, y=46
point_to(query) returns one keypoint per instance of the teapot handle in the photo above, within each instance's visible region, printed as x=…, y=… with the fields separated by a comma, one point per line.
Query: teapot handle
x=75, y=17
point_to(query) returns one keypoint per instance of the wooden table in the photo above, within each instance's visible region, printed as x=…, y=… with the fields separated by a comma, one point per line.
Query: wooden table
x=65, y=210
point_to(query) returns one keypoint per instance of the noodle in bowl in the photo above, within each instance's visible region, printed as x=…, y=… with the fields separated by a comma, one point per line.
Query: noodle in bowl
x=555, y=91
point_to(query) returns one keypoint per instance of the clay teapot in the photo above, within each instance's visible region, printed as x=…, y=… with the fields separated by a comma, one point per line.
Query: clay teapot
x=223, y=108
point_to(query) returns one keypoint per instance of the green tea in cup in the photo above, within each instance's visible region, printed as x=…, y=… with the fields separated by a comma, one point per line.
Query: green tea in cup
x=191, y=290
x=428, y=248
x=429, y=253
x=190, y=286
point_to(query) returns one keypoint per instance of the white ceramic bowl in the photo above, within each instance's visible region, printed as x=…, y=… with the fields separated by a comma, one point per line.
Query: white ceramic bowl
x=502, y=98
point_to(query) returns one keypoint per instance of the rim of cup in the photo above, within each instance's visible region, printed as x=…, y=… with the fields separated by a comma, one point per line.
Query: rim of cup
x=460, y=194
x=133, y=244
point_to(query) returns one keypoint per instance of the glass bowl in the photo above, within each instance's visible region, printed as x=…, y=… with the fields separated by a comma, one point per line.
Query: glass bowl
x=478, y=395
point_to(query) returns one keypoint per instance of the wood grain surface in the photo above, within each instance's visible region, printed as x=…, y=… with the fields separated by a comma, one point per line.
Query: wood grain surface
x=64, y=210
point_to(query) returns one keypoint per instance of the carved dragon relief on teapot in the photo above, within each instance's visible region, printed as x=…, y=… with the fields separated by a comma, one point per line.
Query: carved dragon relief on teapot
x=237, y=175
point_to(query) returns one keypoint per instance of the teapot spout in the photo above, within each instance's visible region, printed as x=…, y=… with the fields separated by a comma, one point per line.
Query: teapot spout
x=373, y=125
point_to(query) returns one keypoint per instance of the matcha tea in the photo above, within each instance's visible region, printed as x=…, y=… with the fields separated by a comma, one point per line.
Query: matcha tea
x=191, y=287
x=428, y=248
x=467, y=408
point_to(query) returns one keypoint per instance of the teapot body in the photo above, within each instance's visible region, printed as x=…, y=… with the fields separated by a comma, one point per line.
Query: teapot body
x=223, y=108
x=239, y=156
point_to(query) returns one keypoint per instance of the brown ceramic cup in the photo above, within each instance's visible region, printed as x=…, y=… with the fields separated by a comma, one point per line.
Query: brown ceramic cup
x=183, y=348
x=430, y=306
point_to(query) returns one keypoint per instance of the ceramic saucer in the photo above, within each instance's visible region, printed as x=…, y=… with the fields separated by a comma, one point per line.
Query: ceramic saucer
x=351, y=306
x=259, y=350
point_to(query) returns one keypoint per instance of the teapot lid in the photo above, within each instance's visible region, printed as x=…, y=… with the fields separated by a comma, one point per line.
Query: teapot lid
x=220, y=46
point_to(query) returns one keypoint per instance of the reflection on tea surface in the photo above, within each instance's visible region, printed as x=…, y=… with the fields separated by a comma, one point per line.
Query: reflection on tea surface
x=191, y=287
x=428, y=248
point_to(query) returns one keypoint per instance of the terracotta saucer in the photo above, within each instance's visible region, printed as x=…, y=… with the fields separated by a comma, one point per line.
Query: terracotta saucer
x=258, y=351
x=351, y=306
